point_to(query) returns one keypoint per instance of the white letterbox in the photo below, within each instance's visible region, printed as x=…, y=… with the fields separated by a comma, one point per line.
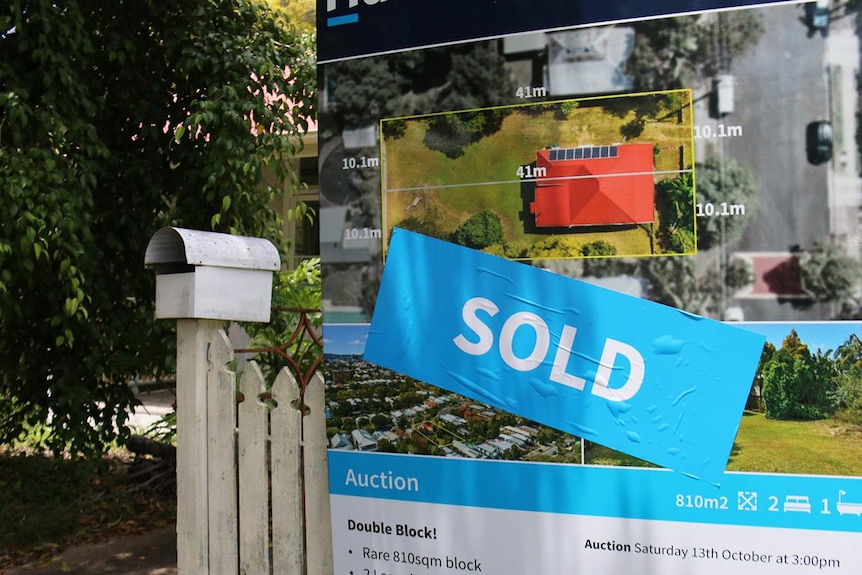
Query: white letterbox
x=207, y=275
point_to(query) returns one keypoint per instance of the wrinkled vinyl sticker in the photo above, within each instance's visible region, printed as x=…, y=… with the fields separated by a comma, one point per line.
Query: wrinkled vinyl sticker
x=649, y=380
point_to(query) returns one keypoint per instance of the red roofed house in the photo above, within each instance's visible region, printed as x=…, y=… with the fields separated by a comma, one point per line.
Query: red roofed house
x=594, y=186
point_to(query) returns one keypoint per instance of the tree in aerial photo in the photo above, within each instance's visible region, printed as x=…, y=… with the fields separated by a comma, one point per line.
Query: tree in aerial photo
x=829, y=274
x=724, y=181
x=673, y=52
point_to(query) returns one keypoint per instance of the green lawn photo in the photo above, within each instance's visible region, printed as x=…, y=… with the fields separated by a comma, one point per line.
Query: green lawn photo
x=439, y=171
x=823, y=447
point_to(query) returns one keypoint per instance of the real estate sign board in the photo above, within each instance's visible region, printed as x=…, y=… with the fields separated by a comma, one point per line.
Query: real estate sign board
x=699, y=154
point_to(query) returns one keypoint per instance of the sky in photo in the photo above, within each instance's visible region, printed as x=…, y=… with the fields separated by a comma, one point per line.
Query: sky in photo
x=344, y=339
x=823, y=336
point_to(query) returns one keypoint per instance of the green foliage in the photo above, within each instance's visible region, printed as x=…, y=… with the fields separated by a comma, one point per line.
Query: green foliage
x=508, y=250
x=598, y=248
x=682, y=241
x=780, y=377
x=849, y=354
x=796, y=384
x=299, y=288
x=394, y=129
x=569, y=108
x=381, y=422
x=164, y=429
x=678, y=192
x=829, y=274
x=847, y=396
x=559, y=246
x=601, y=455
x=422, y=225
x=739, y=274
x=755, y=394
x=723, y=180
x=800, y=385
x=480, y=231
x=449, y=134
x=386, y=446
x=676, y=200
x=795, y=347
x=293, y=291
x=300, y=13
x=118, y=118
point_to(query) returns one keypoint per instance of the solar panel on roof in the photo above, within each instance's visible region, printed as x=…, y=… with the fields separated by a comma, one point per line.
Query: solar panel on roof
x=583, y=153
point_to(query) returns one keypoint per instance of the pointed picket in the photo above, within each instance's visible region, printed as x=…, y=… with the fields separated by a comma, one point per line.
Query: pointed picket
x=253, y=474
x=221, y=475
x=318, y=523
x=261, y=478
x=286, y=429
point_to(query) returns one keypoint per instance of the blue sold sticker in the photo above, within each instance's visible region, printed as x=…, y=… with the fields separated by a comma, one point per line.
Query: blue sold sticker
x=649, y=380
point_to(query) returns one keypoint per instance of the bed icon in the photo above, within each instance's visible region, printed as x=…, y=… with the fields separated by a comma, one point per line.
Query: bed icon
x=797, y=503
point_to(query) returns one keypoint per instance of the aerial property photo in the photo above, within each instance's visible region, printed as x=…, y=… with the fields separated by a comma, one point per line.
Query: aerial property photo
x=594, y=186
x=610, y=176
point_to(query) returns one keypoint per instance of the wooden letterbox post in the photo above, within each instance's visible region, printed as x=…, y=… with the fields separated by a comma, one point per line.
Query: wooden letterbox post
x=202, y=280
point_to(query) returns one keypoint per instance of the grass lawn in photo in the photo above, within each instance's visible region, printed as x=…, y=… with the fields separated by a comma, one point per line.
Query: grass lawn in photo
x=822, y=447
x=439, y=171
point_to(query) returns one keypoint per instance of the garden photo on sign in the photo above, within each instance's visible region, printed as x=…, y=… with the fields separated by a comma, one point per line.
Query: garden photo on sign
x=802, y=415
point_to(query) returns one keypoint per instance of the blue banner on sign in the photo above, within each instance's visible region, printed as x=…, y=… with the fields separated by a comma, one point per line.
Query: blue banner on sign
x=825, y=503
x=651, y=381
x=383, y=26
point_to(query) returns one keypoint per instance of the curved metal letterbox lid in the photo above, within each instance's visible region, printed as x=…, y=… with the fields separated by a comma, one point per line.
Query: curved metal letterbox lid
x=172, y=249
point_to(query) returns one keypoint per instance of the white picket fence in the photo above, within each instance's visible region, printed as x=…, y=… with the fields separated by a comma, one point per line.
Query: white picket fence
x=252, y=486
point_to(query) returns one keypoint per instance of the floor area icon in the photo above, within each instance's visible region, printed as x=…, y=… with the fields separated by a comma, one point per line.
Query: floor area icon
x=746, y=500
